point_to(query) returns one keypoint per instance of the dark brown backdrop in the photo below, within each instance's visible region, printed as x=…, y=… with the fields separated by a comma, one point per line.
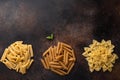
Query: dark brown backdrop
x=76, y=22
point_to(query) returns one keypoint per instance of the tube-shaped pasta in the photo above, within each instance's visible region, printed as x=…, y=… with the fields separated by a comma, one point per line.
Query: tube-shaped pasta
x=5, y=53
x=70, y=67
x=44, y=64
x=66, y=58
x=63, y=65
x=18, y=56
x=47, y=63
x=31, y=50
x=59, y=59
x=56, y=66
x=56, y=71
x=66, y=45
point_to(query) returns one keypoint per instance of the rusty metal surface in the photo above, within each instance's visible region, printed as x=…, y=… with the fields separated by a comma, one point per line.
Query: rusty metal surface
x=76, y=22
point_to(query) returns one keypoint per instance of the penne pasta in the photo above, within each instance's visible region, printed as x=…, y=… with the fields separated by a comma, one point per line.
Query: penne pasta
x=70, y=67
x=44, y=54
x=44, y=64
x=50, y=54
x=56, y=66
x=66, y=58
x=54, y=63
x=63, y=72
x=64, y=48
x=47, y=63
x=56, y=71
x=63, y=65
x=72, y=59
x=59, y=59
x=58, y=47
x=65, y=45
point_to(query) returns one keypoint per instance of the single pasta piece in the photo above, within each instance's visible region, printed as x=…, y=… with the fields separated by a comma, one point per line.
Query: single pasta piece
x=100, y=56
x=59, y=59
x=56, y=66
x=43, y=62
x=56, y=71
x=18, y=56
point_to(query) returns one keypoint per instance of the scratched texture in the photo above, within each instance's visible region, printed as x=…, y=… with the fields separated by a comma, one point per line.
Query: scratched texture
x=76, y=22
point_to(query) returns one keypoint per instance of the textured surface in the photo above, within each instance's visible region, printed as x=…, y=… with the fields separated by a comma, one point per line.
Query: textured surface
x=75, y=22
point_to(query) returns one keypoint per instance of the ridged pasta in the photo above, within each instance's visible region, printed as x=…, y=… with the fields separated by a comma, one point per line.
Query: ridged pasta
x=18, y=56
x=59, y=59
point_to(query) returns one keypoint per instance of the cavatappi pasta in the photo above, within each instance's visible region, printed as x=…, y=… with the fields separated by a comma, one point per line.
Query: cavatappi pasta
x=18, y=56
x=100, y=55
x=59, y=59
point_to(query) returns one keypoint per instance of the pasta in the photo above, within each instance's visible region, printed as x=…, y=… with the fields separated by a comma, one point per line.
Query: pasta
x=100, y=56
x=56, y=71
x=59, y=59
x=18, y=56
x=43, y=62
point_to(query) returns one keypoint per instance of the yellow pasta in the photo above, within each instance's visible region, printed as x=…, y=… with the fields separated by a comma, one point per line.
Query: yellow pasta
x=53, y=52
x=47, y=63
x=66, y=58
x=44, y=64
x=72, y=59
x=58, y=47
x=67, y=49
x=56, y=66
x=22, y=70
x=4, y=56
x=50, y=54
x=70, y=67
x=63, y=65
x=61, y=71
x=54, y=63
x=100, y=56
x=31, y=51
x=56, y=71
x=59, y=59
x=18, y=56
x=30, y=63
x=46, y=52
x=66, y=45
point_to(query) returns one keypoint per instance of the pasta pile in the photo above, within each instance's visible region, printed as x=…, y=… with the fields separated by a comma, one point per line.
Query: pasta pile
x=59, y=59
x=100, y=56
x=18, y=56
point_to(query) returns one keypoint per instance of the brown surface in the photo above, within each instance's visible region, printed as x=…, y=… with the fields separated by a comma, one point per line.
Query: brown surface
x=76, y=22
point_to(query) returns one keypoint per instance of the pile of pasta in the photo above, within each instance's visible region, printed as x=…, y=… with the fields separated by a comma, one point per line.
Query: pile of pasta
x=100, y=55
x=18, y=56
x=59, y=59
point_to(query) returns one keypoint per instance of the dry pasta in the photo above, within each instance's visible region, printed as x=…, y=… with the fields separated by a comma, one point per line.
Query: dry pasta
x=100, y=55
x=59, y=59
x=18, y=56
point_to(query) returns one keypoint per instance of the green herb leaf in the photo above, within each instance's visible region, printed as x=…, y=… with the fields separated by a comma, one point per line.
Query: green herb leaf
x=50, y=37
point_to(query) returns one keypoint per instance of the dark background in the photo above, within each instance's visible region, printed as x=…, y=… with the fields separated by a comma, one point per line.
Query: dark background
x=76, y=22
